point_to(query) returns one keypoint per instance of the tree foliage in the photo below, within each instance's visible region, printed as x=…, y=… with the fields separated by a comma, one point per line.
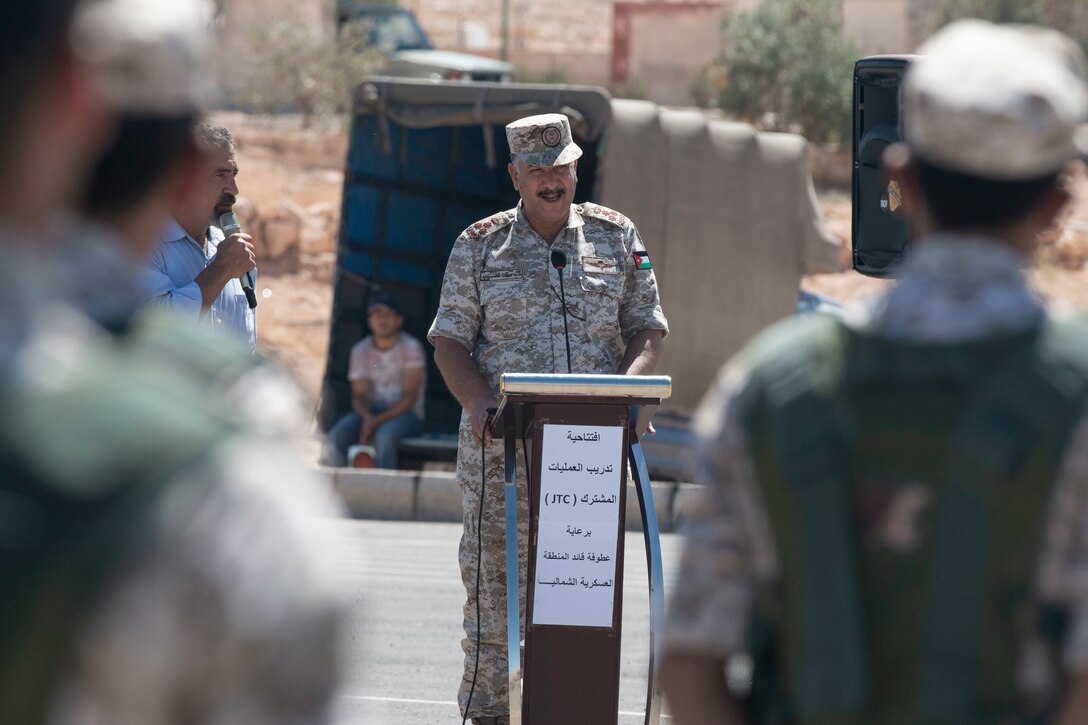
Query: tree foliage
x=298, y=69
x=787, y=65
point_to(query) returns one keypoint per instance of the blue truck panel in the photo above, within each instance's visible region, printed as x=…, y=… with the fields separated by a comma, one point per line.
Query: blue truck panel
x=361, y=206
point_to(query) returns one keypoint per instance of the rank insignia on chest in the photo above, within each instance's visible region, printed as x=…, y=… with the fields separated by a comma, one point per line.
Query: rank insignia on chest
x=642, y=260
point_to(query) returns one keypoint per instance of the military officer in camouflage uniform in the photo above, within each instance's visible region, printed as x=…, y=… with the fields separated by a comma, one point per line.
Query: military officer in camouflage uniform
x=500, y=311
x=894, y=524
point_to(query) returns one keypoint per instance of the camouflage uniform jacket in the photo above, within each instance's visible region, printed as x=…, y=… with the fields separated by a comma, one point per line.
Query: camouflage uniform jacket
x=501, y=297
x=952, y=290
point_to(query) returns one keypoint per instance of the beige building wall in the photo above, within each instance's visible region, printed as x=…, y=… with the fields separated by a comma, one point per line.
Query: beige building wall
x=878, y=26
x=660, y=47
x=567, y=37
x=572, y=38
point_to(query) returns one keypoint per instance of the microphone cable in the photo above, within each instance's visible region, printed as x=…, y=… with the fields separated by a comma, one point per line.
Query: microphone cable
x=569, y=311
x=479, y=555
x=559, y=261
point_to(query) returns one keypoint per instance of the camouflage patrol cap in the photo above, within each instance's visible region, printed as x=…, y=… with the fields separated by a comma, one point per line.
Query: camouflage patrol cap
x=148, y=56
x=543, y=140
x=1006, y=102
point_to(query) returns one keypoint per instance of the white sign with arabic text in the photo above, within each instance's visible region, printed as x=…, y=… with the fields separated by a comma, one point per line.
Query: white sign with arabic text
x=578, y=526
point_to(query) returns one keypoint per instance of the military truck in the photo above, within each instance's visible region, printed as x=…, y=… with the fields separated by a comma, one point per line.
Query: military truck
x=729, y=215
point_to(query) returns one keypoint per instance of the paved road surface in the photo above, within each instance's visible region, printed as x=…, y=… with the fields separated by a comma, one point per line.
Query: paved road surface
x=404, y=638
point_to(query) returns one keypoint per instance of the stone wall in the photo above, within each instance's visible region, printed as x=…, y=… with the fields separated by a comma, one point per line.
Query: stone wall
x=879, y=26
x=569, y=39
x=574, y=40
x=658, y=47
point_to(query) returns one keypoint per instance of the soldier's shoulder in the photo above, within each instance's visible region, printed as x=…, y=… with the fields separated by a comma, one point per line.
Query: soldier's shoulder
x=490, y=225
x=793, y=343
x=603, y=213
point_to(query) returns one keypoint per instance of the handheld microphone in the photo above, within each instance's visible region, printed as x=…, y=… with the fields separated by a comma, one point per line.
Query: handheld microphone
x=229, y=224
x=559, y=261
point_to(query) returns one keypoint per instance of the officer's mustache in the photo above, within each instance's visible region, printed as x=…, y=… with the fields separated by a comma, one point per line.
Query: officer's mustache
x=551, y=193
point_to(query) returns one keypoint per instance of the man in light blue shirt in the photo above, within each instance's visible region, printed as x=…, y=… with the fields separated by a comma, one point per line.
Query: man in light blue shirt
x=193, y=269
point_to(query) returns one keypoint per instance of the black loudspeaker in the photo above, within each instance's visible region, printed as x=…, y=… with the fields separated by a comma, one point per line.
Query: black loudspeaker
x=879, y=232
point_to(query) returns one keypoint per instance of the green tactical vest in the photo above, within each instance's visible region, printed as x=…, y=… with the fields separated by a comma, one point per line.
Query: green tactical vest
x=840, y=423
x=90, y=439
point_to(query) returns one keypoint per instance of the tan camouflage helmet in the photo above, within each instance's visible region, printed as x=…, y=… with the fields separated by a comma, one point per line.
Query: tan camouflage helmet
x=148, y=57
x=1002, y=102
x=543, y=140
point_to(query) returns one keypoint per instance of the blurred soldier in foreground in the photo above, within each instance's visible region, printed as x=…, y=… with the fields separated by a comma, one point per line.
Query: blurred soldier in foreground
x=150, y=163
x=895, y=517
x=157, y=548
x=500, y=311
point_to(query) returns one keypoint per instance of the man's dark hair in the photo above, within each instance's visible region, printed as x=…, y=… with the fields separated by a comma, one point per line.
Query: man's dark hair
x=143, y=151
x=963, y=202
x=34, y=38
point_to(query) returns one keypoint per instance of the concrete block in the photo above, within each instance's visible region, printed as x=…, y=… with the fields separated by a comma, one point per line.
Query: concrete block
x=439, y=497
x=377, y=493
x=662, y=493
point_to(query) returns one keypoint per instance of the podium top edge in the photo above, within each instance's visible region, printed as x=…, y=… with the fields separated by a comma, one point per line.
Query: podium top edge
x=624, y=386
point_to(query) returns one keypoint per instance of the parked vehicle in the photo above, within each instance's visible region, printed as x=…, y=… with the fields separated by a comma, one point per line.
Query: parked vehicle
x=396, y=32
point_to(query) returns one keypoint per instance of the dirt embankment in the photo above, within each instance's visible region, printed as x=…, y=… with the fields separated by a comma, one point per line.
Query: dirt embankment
x=279, y=161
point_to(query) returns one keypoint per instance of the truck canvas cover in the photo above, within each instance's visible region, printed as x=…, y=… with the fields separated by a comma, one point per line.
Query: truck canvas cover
x=731, y=219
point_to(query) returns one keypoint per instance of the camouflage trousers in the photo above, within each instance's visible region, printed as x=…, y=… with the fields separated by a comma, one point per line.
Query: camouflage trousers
x=490, y=696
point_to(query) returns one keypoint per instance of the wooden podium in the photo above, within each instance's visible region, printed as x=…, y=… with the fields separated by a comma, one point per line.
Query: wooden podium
x=579, y=433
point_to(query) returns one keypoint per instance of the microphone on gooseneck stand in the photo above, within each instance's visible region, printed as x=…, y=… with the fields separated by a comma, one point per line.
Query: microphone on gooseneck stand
x=229, y=224
x=559, y=260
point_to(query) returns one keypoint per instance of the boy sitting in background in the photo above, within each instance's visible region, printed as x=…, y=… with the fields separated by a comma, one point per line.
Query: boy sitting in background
x=388, y=383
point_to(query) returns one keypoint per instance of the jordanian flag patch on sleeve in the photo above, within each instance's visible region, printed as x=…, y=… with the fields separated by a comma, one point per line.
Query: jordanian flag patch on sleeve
x=642, y=260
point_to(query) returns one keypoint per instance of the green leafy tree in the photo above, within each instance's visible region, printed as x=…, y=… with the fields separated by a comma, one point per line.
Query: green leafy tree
x=706, y=85
x=296, y=68
x=788, y=64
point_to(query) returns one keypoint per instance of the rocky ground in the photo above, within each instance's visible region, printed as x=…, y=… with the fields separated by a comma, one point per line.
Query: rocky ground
x=292, y=180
